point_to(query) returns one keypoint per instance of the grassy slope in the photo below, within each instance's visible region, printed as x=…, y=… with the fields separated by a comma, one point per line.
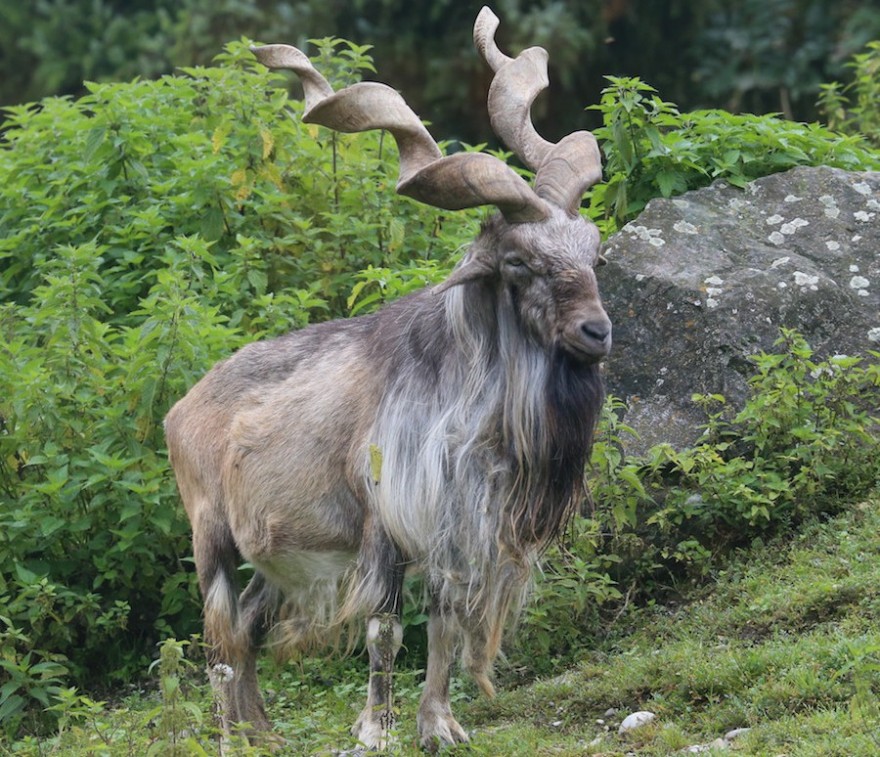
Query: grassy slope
x=787, y=643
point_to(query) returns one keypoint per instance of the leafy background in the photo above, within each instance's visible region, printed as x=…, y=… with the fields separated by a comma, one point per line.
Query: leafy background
x=149, y=228
x=757, y=56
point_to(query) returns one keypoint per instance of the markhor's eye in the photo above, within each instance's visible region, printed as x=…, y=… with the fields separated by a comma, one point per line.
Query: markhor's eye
x=515, y=262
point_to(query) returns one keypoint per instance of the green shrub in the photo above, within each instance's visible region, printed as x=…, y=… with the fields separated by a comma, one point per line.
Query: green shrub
x=653, y=150
x=803, y=445
x=805, y=441
x=852, y=108
x=146, y=231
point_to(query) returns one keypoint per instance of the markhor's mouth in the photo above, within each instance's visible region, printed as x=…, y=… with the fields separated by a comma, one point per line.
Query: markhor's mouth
x=587, y=349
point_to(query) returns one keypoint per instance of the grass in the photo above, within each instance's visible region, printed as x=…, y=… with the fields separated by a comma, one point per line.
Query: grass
x=785, y=642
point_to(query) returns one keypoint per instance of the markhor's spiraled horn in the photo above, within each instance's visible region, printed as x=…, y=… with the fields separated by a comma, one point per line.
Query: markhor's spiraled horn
x=565, y=170
x=459, y=181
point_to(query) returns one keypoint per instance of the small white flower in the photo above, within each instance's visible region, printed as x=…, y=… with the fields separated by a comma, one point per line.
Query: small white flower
x=773, y=220
x=714, y=281
x=862, y=215
x=858, y=282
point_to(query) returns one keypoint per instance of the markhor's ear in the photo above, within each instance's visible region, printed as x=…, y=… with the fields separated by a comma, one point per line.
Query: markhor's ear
x=470, y=269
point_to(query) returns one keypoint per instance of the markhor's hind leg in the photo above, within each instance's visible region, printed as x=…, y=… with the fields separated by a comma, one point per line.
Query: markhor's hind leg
x=232, y=666
x=257, y=608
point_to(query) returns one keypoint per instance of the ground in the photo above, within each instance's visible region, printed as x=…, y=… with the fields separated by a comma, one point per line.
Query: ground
x=784, y=641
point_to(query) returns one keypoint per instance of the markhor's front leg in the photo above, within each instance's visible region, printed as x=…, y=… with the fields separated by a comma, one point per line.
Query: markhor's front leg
x=437, y=725
x=384, y=637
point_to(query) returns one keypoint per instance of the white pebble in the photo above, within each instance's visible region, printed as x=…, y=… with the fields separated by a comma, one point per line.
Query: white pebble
x=736, y=733
x=636, y=720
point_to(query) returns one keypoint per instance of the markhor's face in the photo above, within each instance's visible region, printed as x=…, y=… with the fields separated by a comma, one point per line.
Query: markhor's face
x=547, y=270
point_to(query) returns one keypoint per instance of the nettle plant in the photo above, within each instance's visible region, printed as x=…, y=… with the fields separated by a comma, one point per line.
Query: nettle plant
x=653, y=150
x=805, y=442
x=803, y=445
x=147, y=230
x=852, y=108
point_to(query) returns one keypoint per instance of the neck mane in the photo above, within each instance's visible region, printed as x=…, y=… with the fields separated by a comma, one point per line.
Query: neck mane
x=539, y=410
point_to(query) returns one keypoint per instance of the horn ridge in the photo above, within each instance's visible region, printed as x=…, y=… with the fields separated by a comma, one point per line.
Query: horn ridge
x=570, y=168
x=371, y=105
x=315, y=86
x=511, y=94
x=465, y=179
x=484, y=39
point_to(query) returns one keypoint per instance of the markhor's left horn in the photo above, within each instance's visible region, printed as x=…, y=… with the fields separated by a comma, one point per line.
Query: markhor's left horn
x=565, y=170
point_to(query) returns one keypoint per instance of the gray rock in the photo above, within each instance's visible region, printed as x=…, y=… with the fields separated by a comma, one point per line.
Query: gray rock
x=699, y=282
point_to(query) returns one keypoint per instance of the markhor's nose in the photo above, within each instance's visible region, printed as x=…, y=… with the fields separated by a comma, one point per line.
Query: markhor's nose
x=598, y=331
x=594, y=338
